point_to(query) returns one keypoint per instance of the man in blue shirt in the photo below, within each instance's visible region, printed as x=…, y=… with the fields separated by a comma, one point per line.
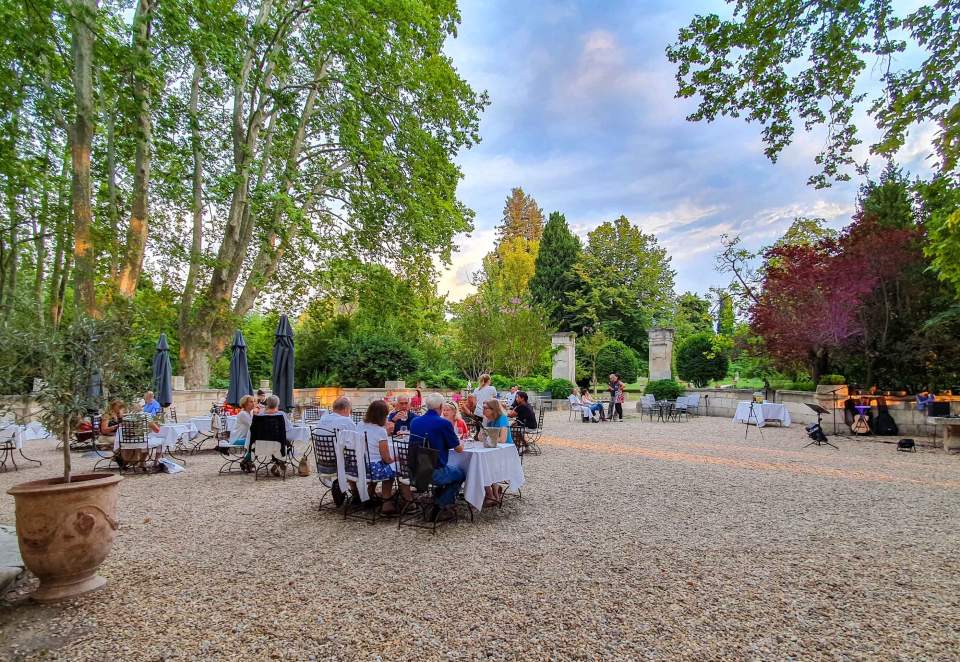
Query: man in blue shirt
x=440, y=435
x=150, y=405
x=400, y=419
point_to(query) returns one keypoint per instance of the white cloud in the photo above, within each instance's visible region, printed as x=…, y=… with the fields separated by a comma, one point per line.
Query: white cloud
x=455, y=280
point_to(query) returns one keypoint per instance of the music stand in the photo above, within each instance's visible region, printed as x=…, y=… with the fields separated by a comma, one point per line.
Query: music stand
x=821, y=439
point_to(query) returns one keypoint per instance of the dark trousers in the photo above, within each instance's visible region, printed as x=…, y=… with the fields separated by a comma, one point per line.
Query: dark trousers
x=447, y=481
x=619, y=407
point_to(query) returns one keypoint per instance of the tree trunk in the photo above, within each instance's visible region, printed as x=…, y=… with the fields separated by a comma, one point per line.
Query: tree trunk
x=139, y=225
x=194, y=360
x=83, y=15
x=113, y=207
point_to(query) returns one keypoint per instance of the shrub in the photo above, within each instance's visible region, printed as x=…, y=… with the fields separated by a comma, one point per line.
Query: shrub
x=500, y=382
x=446, y=378
x=560, y=389
x=833, y=380
x=663, y=389
x=533, y=384
x=698, y=360
x=369, y=360
x=616, y=357
x=802, y=385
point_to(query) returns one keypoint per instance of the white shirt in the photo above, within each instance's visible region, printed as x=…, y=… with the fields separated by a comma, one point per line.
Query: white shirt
x=375, y=434
x=482, y=395
x=332, y=421
x=511, y=396
x=241, y=429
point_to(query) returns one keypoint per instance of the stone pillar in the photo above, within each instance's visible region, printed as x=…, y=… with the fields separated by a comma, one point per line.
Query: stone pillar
x=178, y=383
x=661, y=354
x=565, y=358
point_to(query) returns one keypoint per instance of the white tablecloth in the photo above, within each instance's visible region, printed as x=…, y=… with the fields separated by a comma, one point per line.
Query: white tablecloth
x=22, y=433
x=170, y=432
x=203, y=423
x=762, y=414
x=486, y=466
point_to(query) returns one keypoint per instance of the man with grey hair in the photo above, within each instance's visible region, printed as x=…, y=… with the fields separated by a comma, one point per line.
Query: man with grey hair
x=339, y=417
x=150, y=405
x=399, y=420
x=439, y=434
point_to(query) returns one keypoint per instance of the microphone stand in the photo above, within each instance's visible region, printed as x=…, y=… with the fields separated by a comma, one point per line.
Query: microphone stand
x=833, y=395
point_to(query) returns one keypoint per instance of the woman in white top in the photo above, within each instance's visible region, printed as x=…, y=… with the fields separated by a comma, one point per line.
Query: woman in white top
x=378, y=450
x=241, y=430
x=483, y=392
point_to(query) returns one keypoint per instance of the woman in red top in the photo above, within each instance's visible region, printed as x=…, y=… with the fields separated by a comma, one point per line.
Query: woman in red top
x=451, y=413
x=416, y=401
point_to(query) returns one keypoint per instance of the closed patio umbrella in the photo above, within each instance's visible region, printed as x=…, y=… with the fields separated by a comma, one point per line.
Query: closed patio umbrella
x=240, y=384
x=163, y=373
x=282, y=374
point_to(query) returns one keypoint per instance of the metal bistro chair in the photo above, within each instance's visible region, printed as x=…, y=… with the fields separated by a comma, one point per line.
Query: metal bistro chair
x=531, y=437
x=358, y=413
x=648, y=405
x=693, y=404
x=325, y=455
x=8, y=445
x=234, y=453
x=133, y=438
x=270, y=432
x=353, y=507
x=680, y=408
x=311, y=414
x=417, y=512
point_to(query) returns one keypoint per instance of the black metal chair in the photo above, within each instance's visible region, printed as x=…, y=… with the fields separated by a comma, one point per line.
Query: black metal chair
x=311, y=414
x=84, y=441
x=8, y=446
x=234, y=453
x=420, y=511
x=134, y=447
x=269, y=429
x=358, y=413
x=325, y=455
x=352, y=506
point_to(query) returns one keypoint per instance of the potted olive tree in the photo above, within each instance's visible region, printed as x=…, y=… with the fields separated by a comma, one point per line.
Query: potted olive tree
x=66, y=524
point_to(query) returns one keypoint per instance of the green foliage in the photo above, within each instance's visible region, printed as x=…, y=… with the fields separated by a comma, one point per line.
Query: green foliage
x=940, y=213
x=726, y=320
x=555, y=281
x=447, y=379
x=367, y=361
x=699, y=361
x=692, y=316
x=663, y=389
x=616, y=357
x=560, y=389
x=627, y=284
x=782, y=64
x=833, y=380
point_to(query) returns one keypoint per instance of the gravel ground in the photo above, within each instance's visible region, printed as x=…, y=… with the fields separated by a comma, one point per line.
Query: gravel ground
x=632, y=540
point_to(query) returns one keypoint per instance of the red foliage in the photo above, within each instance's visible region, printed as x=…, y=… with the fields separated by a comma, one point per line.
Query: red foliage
x=809, y=302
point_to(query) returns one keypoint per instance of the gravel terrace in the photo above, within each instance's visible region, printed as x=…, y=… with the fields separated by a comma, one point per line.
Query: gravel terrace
x=632, y=540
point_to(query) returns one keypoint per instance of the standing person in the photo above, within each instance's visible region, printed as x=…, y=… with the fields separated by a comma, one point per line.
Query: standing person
x=511, y=397
x=400, y=419
x=416, y=401
x=482, y=393
x=440, y=435
x=612, y=387
x=620, y=390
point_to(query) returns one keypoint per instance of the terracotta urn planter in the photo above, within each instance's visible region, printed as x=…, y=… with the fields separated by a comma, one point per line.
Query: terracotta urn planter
x=66, y=530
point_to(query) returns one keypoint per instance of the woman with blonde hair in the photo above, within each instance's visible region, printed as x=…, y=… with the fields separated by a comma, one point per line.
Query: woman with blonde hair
x=452, y=414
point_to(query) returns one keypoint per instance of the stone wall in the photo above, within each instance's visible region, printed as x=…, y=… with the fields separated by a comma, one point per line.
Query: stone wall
x=723, y=403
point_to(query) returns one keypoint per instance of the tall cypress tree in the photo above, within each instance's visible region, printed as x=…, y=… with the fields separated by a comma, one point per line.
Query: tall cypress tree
x=554, y=280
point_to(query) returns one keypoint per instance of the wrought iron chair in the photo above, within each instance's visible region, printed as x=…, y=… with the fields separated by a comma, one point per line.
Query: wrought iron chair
x=530, y=436
x=358, y=413
x=680, y=409
x=693, y=404
x=311, y=414
x=135, y=446
x=234, y=453
x=8, y=445
x=648, y=405
x=270, y=432
x=352, y=506
x=420, y=511
x=325, y=455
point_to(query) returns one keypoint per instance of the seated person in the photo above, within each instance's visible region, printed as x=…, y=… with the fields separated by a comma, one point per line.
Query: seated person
x=402, y=416
x=523, y=412
x=241, y=430
x=493, y=417
x=595, y=408
x=467, y=407
x=339, y=417
x=440, y=435
x=271, y=407
x=150, y=404
x=378, y=451
x=261, y=396
x=511, y=397
x=452, y=414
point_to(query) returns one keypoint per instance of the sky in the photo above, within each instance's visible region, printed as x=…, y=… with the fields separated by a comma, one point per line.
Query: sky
x=583, y=118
